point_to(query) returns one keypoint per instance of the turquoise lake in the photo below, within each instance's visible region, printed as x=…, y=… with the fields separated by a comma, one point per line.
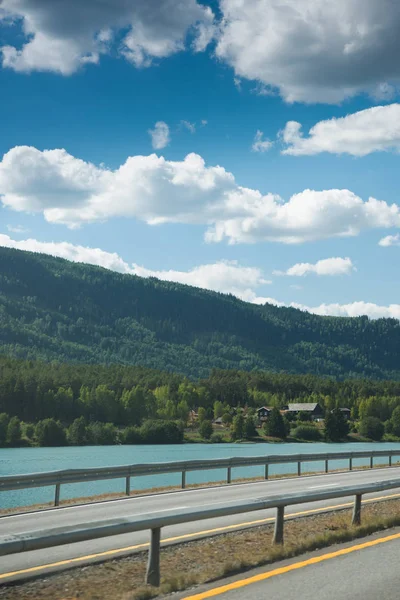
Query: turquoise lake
x=34, y=460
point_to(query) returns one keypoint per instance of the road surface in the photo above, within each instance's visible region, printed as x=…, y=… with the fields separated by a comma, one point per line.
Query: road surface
x=26, y=564
x=366, y=569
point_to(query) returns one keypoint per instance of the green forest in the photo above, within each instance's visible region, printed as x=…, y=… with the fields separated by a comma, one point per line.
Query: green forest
x=55, y=310
x=90, y=356
x=50, y=404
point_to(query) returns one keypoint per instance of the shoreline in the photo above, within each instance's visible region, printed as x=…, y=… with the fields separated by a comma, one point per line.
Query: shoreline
x=289, y=440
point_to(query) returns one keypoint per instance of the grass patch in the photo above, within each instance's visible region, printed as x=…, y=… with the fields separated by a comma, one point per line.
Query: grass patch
x=201, y=561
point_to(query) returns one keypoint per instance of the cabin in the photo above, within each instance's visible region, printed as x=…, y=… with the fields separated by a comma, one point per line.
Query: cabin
x=313, y=408
x=346, y=412
x=263, y=413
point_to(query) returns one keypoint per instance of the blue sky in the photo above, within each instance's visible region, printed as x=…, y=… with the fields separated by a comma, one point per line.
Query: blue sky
x=90, y=86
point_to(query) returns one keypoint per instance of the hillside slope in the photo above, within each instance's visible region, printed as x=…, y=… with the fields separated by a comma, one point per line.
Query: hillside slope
x=53, y=309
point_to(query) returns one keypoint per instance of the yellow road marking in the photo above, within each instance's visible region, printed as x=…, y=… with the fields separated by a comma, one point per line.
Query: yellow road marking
x=108, y=553
x=281, y=570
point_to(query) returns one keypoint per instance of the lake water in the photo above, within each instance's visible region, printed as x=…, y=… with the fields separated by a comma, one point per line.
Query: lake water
x=34, y=460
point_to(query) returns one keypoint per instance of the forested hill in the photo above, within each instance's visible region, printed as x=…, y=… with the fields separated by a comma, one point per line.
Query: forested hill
x=53, y=309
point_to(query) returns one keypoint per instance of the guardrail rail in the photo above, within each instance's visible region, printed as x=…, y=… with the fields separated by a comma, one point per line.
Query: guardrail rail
x=35, y=540
x=58, y=478
x=63, y=477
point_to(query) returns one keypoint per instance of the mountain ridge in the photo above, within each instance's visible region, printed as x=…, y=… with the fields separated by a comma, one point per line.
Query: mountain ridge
x=54, y=309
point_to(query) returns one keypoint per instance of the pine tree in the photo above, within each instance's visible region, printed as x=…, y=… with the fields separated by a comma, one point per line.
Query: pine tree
x=13, y=432
x=4, y=419
x=77, y=432
x=336, y=426
x=395, y=421
x=206, y=430
x=238, y=427
x=249, y=427
x=275, y=425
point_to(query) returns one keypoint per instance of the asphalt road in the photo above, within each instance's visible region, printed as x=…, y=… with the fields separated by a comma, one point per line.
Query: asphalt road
x=365, y=573
x=19, y=566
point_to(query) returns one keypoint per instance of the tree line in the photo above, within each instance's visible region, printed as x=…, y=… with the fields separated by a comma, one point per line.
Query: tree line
x=95, y=404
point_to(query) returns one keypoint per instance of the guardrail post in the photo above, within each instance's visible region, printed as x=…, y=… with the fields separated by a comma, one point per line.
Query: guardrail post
x=266, y=472
x=326, y=466
x=229, y=475
x=278, y=531
x=183, y=479
x=371, y=462
x=390, y=460
x=57, y=495
x=350, y=464
x=299, y=468
x=356, y=520
x=128, y=485
x=153, y=565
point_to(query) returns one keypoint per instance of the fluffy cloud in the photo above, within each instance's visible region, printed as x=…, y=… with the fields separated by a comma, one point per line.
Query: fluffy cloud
x=71, y=191
x=81, y=254
x=358, y=134
x=224, y=276
x=160, y=135
x=353, y=309
x=312, y=51
x=259, y=144
x=306, y=50
x=327, y=266
x=61, y=36
x=390, y=240
x=308, y=216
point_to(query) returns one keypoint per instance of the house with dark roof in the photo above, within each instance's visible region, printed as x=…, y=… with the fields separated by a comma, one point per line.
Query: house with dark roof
x=312, y=408
x=263, y=413
x=346, y=412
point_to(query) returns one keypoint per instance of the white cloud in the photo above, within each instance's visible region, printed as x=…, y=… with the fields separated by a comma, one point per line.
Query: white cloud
x=312, y=51
x=352, y=309
x=390, y=240
x=160, y=135
x=259, y=144
x=326, y=266
x=152, y=189
x=61, y=36
x=204, y=122
x=303, y=49
x=358, y=134
x=308, y=216
x=189, y=126
x=17, y=229
x=357, y=309
x=224, y=276
x=93, y=256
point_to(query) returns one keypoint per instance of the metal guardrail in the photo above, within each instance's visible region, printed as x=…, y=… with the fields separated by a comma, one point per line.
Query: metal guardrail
x=36, y=540
x=58, y=478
